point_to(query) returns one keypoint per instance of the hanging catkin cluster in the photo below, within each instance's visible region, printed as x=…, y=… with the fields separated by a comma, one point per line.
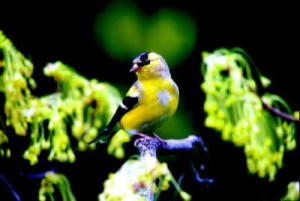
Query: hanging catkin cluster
x=84, y=105
x=234, y=107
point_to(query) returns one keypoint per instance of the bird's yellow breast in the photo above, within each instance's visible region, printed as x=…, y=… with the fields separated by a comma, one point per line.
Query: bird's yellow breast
x=158, y=100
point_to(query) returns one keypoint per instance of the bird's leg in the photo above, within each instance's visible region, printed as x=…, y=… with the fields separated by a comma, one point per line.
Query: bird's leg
x=141, y=135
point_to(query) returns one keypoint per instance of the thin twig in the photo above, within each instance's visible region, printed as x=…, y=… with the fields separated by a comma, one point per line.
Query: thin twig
x=274, y=110
x=280, y=113
x=10, y=187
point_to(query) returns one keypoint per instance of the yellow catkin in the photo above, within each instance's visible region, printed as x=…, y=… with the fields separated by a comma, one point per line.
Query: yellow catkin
x=234, y=108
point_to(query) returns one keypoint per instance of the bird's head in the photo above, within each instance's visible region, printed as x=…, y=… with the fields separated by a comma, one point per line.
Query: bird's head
x=150, y=65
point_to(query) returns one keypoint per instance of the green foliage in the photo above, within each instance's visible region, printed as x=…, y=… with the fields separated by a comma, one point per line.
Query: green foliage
x=53, y=181
x=86, y=105
x=292, y=192
x=3, y=142
x=234, y=107
x=136, y=176
x=115, y=147
x=15, y=83
x=124, y=31
x=81, y=107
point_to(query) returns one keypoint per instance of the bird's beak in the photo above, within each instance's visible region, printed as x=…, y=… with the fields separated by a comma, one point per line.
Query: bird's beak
x=135, y=68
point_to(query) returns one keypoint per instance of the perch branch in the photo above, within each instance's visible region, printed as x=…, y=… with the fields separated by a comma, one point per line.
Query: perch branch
x=186, y=144
x=148, y=147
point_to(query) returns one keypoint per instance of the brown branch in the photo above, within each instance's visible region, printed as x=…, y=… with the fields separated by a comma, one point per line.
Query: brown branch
x=275, y=111
x=280, y=113
x=148, y=147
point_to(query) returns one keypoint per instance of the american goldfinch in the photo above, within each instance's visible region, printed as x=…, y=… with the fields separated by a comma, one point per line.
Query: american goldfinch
x=151, y=100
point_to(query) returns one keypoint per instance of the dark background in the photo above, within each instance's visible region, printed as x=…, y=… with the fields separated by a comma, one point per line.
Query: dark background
x=51, y=30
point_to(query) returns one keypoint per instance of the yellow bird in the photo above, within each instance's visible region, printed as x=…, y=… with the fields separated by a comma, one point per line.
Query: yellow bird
x=151, y=100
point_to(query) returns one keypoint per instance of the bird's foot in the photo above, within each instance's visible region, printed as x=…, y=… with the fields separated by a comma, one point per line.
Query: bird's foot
x=141, y=135
x=153, y=136
x=160, y=140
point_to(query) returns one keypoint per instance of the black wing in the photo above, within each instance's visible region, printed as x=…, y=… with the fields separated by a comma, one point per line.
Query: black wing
x=127, y=104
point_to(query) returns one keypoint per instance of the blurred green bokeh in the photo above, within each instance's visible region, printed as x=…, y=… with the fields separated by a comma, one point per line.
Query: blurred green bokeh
x=179, y=126
x=124, y=31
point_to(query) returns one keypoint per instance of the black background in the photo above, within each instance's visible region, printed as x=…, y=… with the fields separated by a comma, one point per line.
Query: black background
x=52, y=30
